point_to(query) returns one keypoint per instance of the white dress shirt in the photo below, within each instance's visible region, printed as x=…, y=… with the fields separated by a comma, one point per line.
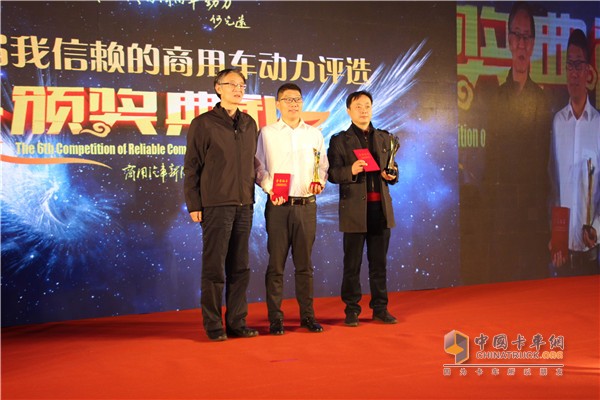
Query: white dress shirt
x=282, y=149
x=575, y=141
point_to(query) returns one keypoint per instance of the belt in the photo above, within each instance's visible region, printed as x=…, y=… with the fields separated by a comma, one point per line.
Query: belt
x=299, y=201
x=373, y=196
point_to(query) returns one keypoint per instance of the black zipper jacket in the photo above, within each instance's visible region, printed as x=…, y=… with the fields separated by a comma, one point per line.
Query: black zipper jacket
x=219, y=160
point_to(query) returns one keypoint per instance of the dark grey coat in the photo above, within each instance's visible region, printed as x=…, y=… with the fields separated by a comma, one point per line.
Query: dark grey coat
x=353, y=189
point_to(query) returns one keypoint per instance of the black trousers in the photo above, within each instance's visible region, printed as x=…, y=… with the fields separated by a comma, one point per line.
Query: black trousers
x=225, y=263
x=377, y=239
x=290, y=226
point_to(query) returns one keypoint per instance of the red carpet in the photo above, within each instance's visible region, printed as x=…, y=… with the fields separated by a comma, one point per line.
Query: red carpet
x=167, y=356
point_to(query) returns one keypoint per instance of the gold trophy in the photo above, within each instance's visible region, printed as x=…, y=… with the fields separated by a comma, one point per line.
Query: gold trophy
x=588, y=220
x=316, y=181
x=394, y=146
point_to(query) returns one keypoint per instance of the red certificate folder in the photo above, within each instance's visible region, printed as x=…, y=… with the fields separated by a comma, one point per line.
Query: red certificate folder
x=365, y=155
x=281, y=186
x=560, y=230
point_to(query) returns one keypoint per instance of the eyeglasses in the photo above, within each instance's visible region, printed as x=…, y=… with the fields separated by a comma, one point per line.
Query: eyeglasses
x=234, y=85
x=290, y=100
x=576, y=65
x=519, y=36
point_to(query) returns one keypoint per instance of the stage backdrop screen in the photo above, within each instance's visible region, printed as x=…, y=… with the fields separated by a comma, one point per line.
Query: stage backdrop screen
x=97, y=98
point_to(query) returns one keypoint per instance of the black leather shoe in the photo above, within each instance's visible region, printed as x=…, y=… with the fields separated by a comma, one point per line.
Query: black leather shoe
x=276, y=327
x=243, y=332
x=384, y=317
x=217, y=335
x=311, y=324
x=351, y=319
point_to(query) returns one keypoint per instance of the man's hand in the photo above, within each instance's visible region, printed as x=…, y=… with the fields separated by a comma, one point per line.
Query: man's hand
x=315, y=187
x=358, y=167
x=388, y=177
x=196, y=216
x=277, y=201
x=558, y=259
x=590, y=237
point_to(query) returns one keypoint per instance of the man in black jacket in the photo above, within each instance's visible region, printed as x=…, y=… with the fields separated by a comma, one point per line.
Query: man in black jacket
x=219, y=193
x=365, y=207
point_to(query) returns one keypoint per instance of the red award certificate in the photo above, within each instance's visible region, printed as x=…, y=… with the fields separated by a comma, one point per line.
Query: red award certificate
x=365, y=155
x=281, y=186
x=560, y=230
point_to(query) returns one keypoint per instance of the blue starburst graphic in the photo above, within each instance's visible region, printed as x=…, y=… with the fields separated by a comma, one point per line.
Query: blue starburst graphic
x=49, y=220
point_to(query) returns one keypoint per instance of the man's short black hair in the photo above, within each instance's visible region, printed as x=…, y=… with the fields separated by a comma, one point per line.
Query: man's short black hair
x=288, y=86
x=577, y=38
x=222, y=73
x=353, y=96
x=521, y=6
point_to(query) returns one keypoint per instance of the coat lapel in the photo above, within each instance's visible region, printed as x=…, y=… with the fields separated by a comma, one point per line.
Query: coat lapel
x=380, y=148
x=352, y=141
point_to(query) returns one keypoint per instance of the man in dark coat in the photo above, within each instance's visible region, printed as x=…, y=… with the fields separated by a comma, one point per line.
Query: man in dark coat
x=365, y=206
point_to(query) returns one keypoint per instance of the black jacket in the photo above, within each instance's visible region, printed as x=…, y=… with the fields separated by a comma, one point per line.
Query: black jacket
x=219, y=160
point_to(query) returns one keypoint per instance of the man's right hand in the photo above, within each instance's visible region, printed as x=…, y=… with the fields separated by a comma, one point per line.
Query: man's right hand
x=358, y=167
x=196, y=216
x=558, y=260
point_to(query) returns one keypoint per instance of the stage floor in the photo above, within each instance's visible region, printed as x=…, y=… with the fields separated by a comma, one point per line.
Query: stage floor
x=167, y=355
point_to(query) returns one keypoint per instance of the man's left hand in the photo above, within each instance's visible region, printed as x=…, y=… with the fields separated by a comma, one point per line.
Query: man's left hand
x=388, y=177
x=590, y=237
x=315, y=187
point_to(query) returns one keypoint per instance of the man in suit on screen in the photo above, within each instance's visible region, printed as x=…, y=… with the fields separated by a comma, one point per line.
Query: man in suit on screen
x=515, y=178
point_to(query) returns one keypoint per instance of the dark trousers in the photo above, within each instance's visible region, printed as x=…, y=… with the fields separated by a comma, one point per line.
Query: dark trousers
x=225, y=235
x=290, y=226
x=377, y=238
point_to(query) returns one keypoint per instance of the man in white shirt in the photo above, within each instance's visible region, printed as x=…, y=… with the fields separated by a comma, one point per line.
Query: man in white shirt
x=290, y=146
x=575, y=163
